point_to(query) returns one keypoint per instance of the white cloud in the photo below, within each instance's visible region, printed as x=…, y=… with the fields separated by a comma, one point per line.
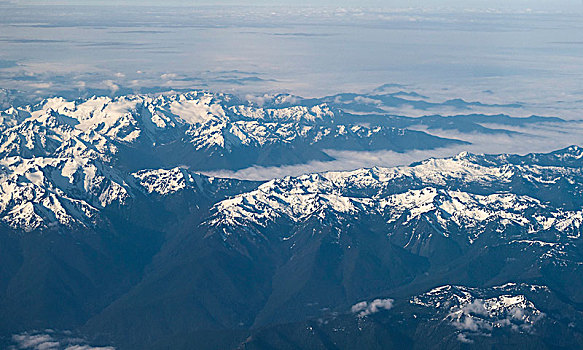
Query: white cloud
x=87, y=347
x=168, y=76
x=52, y=341
x=359, y=306
x=476, y=307
x=470, y=323
x=37, y=341
x=365, y=308
x=111, y=85
x=464, y=339
x=40, y=86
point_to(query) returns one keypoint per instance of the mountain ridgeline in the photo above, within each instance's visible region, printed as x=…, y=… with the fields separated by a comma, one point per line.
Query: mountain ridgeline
x=108, y=231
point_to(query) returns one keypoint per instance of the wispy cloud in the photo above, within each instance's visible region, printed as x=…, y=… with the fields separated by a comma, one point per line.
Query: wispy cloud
x=51, y=340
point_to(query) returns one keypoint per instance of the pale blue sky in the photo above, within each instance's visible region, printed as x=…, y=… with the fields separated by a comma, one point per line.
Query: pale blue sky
x=556, y=5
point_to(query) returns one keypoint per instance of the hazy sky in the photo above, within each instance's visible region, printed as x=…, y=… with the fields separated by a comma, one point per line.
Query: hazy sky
x=558, y=5
x=532, y=59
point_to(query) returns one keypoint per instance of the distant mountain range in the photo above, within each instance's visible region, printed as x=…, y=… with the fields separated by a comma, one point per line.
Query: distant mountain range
x=208, y=131
x=108, y=230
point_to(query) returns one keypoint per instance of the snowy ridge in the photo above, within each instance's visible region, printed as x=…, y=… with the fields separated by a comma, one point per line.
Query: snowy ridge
x=476, y=312
x=387, y=192
x=42, y=192
x=60, y=155
x=289, y=114
x=169, y=181
x=208, y=120
x=163, y=181
x=51, y=135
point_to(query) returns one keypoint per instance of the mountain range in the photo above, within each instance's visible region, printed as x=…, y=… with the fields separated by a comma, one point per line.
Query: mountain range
x=110, y=233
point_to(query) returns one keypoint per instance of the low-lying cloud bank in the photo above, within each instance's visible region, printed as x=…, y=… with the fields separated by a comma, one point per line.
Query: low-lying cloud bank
x=542, y=138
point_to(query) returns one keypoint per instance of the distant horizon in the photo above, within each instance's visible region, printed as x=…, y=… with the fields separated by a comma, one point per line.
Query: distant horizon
x=535, y=5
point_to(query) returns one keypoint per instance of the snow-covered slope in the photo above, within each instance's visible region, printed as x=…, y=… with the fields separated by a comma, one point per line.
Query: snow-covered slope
x=208, y=119
x=44, y=192
x=468, y=193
